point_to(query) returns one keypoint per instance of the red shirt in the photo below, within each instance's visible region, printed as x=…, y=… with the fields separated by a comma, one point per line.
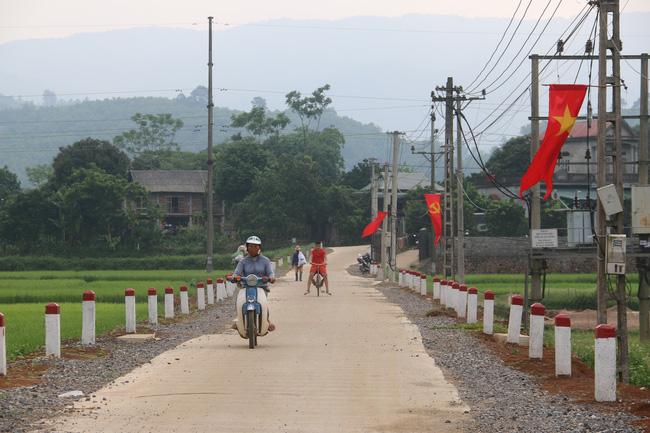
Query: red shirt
x=318, y=256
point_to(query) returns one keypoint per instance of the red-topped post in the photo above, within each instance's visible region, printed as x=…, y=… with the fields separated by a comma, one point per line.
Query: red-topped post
x=472, y=304
x=514, y=321
x=185, y=301
x=3, y=347
x=210, y=291
x=462, y=301
x=53, y=330
x=169, y=303
x=152, y=306
x=562, y=345
x=200, y=296
x=488, y=312
x=436, y=288
x=536, y=339
x=605, y=363
x=88, y=314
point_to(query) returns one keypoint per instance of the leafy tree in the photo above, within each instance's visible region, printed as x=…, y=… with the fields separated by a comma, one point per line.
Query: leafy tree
x=155, y=132
x=49, y=98
x=508, y=163
x=39, y=174
x=9, y=184
x=258, y=123
x=169, y=160
x=88, y=153
x=506, y=218
x=359, y=176
x=200, y=94
x=28, y=219
x=237, y=164
x=92, y=206
x=310, y=107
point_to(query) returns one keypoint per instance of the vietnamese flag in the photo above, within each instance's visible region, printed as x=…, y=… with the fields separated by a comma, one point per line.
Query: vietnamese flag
x=433, y=206
x=374, y=224
x=564, y=101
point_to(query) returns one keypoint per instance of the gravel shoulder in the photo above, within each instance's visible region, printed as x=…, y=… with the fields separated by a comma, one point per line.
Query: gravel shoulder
x=24, y=408
x=501, y=398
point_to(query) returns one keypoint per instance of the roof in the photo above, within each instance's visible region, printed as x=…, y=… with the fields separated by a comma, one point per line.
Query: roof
x=580, y=129
x=407, y=182
x=193, y=181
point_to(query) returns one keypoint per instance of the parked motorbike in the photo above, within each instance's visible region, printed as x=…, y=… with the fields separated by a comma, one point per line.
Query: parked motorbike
x=252, y=308
x=364, y=263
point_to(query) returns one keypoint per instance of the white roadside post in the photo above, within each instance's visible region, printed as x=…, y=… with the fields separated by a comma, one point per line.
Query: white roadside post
x=88, y=318
x=536, y=339
x=562, y=345
x=443, y=293
x=423, y=285
x=472, y=304
x=200, y=296
x=152, y=304
x=488, y=312
x=129, y=310
x=436, y=289
x=3, y=347
x=454, y=296
x=210, y=289
x=415, y=281
x=221, y=289
x=280, y=262
x=605, y=363
x=169, y=303
x=185, y=301
x=462, y=301
x=53, y=330
x=373, y=268
x=273, y=266
x=401, y=278
x=514, y=321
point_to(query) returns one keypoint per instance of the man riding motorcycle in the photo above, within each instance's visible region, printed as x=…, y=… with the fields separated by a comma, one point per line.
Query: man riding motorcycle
x=318, y=258
x=255, y=263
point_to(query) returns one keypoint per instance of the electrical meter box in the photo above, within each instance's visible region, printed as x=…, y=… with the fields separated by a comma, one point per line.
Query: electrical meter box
x=615, y=254
x=610, y=200
x=640, y=209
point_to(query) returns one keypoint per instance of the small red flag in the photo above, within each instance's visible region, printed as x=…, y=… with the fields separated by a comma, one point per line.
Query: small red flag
x=374, y=224
x=564, y=102
x=433, y=205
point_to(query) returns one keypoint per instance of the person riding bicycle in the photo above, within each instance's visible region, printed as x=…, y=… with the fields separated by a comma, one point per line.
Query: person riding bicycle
x=255, y=263
x=318, y=260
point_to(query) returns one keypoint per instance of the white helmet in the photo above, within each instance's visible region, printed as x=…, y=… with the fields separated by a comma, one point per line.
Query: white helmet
x=254, y=240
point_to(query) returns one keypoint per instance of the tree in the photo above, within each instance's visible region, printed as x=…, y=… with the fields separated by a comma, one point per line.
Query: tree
x=49, y=98
x=359, y=176
x=39, y=174
x=237, y=164
x=310, y=107
x=508, y=163
x=28, y=219
x=506, y=218
x=155, y=132
x=258, y=123
x=169, y=160
x=200, y=94
x=88, y=153
x=9, y=184
x=93, y=206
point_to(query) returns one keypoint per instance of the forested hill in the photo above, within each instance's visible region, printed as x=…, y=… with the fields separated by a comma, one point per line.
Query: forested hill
x=32, y=135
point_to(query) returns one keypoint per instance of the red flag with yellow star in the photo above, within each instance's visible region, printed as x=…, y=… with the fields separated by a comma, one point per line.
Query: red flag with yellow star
x=433, y=205
x=564, y=101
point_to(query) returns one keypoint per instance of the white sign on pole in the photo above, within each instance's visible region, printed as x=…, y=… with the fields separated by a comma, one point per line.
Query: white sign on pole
x=544, y=238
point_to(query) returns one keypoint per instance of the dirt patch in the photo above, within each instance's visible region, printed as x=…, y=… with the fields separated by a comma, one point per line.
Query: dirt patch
x=586, y=319
x=24, y=375
x=579, y=387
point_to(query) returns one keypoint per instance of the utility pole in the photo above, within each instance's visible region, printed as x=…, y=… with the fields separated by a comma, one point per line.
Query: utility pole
x=208, y=263
x=642, y=262
x=534, y=264
x=460, y=266
x=448, y=215
x=384, y=226
x=432, y=246
x=373, y=204
x=393, y=204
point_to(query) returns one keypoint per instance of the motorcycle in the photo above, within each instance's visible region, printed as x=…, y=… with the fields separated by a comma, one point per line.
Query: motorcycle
x=252, y=308
x=364, y=263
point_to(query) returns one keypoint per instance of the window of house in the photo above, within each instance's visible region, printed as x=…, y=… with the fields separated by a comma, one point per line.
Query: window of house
x=174, y=204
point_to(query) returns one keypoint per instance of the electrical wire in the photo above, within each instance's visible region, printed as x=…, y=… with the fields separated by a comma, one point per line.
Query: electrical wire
x=512, y=18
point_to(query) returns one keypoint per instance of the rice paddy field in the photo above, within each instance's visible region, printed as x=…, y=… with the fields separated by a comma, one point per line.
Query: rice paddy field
x=23, y=296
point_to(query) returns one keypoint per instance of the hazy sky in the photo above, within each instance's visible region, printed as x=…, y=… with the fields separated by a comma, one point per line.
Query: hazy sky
x=28, y=19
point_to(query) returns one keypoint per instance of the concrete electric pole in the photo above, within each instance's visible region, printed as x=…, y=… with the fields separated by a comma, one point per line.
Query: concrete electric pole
x=209, y=267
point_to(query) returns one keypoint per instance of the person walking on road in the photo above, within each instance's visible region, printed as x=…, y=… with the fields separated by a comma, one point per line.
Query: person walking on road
x=318, y=257
x=298, y=260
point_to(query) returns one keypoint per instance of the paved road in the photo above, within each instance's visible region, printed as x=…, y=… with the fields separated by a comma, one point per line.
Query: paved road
x=346, y=363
